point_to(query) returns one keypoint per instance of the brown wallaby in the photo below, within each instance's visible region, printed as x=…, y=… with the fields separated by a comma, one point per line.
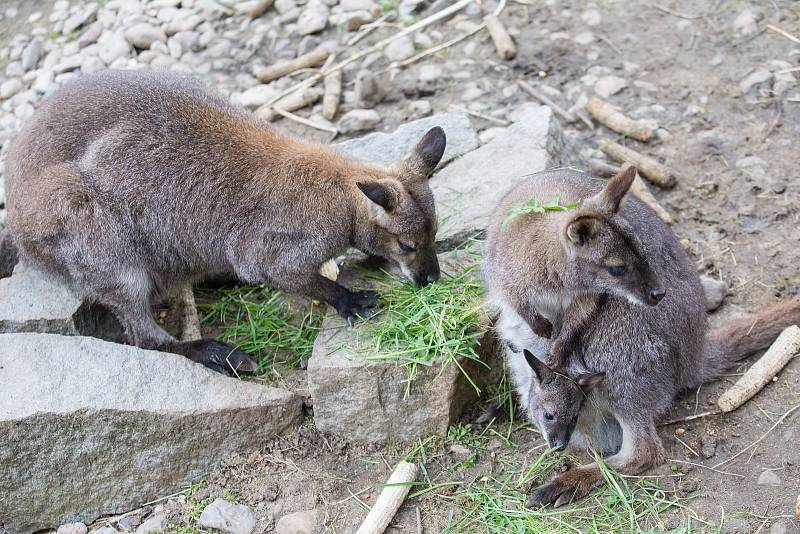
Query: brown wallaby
x=130, y=184
x=647, y=332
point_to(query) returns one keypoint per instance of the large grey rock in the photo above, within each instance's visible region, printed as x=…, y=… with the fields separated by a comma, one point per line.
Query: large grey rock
x=91, y=427
x=228, y=517
x=32, y=300
x=468, y=189
x=365, y=400
x=383, y=148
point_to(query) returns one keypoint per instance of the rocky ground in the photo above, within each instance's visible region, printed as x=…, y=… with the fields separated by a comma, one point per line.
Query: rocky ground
x=717, y=81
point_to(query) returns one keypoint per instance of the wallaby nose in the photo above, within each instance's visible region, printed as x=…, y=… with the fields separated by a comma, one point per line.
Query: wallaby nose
x=558, y=443
x=656, y=295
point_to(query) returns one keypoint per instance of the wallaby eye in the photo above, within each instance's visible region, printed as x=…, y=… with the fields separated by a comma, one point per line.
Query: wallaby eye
x=405, y=248
x=617, y=270
x=548, y=416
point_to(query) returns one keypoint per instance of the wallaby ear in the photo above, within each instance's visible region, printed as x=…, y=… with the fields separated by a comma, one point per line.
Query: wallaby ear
x=380, y=194
x=589, y=381
x=583, y=228
x=427, y=153
x=616, y=188
x=543, y=373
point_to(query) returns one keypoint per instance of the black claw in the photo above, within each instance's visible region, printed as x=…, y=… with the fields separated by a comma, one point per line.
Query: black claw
x=217, y=356
x=357, y=303
x=543, y=496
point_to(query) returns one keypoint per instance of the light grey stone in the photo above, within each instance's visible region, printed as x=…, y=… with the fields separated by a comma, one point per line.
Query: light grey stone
x=314, y=18
x=358, y=120
x=115, y=46
x=83, y=16
x=90, y=35
x=609, y=85
x=184, y=20
x=117, y=426
x=31, y=55
x=769, y=478
x=746, y=23
x=104, y=530
x=32, y=300
x=591, y=17
x=71, y=528
x=385, y=148
x=469, y=188
x=11, y=87
x=365, y=400
x=228, y=517
x=143, y=35
x=429, y=76
x=714, y=290
x=256, y=96
x=757, y=77
x=357, y=5
x=369, y=91
x=399, y=49
x=154, y=523
x=302, y=522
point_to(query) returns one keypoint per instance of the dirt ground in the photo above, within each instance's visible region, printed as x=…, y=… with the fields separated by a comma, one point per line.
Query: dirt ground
x=739, y=214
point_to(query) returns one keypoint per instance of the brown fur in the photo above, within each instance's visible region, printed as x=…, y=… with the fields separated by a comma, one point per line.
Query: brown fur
x=130, y=184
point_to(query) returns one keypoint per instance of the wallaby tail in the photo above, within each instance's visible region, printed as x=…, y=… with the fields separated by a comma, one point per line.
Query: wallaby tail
x=9, y=254
x=745, y=335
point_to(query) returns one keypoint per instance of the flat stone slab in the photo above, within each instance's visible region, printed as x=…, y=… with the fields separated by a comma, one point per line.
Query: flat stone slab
x=91, y=428
x=365, y=400
x=385, y=148
x=468, y=190
x=32, y=300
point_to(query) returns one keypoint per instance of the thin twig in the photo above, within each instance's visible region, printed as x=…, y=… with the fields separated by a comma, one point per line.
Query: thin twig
x=756, y=442
x=690, y=417
x=707, y=467
x=687, y=446
x=300, y=120
x=437, y=48
x=495, y=120
x=677, y=14
x=784, y=33
x=366, y=29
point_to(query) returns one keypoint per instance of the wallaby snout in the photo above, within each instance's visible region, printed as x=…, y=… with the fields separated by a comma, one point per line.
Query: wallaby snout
x=426, y=268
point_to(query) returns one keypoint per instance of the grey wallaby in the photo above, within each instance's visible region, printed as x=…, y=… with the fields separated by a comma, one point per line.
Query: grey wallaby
x=130, y=184
x=643, y=329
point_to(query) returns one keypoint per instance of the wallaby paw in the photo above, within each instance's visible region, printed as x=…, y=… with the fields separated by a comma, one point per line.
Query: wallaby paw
x=357, y=303
x=564, y=489
x=557, y=355
x=217, y=356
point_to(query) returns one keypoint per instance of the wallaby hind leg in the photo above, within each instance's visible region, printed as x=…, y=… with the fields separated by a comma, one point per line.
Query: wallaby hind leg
x=641, y=449
x=9, y=254
x=127, y=295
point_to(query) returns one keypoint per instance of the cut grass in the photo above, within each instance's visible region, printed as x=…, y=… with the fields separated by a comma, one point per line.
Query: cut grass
x=265, y=324
x=435, y=325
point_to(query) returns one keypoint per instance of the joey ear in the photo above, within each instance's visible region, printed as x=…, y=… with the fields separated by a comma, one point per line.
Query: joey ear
x=379, y=193
x=427, y=153
x=543, y=373
x=583, y=228
x=617, y=187
x=589, y=381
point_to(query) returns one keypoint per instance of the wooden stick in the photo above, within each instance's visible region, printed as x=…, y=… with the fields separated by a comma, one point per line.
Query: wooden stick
x=366, y=29
x=609, y=115
x=444, y=13
x=654, y=171
x=639, y=189
x=305, y=122
x=541, y=97
x=784, y=33
x=689, y=418
x=502, y=40
x=762, y=372
x=260, y=8
x=290, y=102
x=390, y=499
x=332, y=95
x=598, y=167
x=484, y=116
x=282, y=68
x=190, y=322
x=434, y=49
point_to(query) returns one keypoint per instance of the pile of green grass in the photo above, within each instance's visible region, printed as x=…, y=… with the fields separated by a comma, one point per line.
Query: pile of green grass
x=432, y=326
x=265, y=324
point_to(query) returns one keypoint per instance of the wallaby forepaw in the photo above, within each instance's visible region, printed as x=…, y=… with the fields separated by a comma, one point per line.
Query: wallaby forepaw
x=556, y=357
x=357, y=304
x=217, y=356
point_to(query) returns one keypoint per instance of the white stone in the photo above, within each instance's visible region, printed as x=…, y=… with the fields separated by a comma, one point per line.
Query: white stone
x=228, y=517
x=399, y=49
x=358, y=120
x=10, y=87
x=143, y=35
x=609, y=85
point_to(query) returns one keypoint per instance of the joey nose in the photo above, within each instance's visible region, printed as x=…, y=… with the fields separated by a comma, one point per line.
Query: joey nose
x=558, y=443
x=656, y=295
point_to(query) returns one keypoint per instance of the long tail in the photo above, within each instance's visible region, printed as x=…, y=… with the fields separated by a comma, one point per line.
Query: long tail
x=9, y=254
x=743, y=336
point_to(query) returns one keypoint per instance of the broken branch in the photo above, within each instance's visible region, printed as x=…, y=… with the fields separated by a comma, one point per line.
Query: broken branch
x=332, y=95
x=503, y=42
x=610, y=116
x=762, y=372
x=390, y=499
x=282, y=68
x=288, y=103
x=654, y=171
